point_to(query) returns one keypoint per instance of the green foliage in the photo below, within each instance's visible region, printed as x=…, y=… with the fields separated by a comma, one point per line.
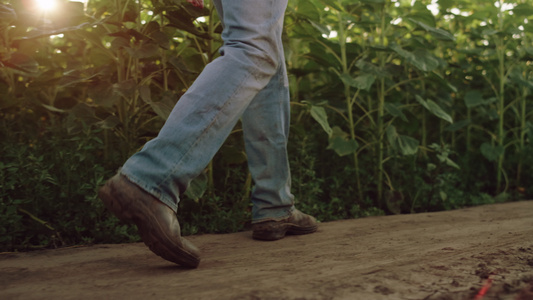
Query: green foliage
x=396, y=109
x=393, y=78
x=48, y=192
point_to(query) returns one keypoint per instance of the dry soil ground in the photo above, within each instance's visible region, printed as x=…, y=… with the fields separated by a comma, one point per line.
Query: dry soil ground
x=444, y=255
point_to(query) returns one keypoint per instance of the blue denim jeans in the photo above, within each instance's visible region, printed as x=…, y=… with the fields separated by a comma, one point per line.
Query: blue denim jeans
x=247, y=82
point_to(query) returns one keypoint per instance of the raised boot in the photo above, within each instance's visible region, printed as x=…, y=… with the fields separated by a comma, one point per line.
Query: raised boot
x=157, y=224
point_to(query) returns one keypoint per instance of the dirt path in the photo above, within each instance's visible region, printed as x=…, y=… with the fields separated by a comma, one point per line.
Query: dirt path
x=445, y=255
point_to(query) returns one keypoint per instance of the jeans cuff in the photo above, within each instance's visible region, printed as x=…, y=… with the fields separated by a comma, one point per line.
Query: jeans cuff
x=151, y=191
x=279, y=216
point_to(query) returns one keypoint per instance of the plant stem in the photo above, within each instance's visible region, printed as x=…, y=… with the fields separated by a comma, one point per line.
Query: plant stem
x=381, y=113
x=424, y=124
x=348, y=99
x=469, y=131
x=210, y=57
x=501, y=97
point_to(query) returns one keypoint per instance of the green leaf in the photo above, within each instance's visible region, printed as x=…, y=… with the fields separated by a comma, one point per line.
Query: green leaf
x=437, y=33
x=347, y=79
x=517, y=77
x=74, y=77
x=341, y=143
x=439, y=112
x=322, y=28
x=475, y=51
x=491, y=152
x=395, y=111
x=85, y=113
x=120, y=43
x=473, y=99
x=322, y=54
x=333, y=4
x=319, y=114
x=125, y=88
x=109, y=123
x=424, y=17
x=144, y=50
x=373, y=1
x=164, y=107
x=161, y=39
x=53, y=109
x=404, y=144
x=363, y=82
x=421, y=59
x=103, y=94
x=372, y=69
x=458, y=125
x=197, y=187
x=435, y=109
x=101, y=57
x=7, y=99
x=144, y=92
x=445, y=159
x=408, y=145
x=21, y=62
x=523, y=10
x=529, y=130
x=426, y=60
x=308, y=10
x=443, y=81
x=443, y=195
x=184, y=20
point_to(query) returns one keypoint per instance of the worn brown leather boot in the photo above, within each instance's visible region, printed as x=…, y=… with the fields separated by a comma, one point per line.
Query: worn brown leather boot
x=157, y=224
x=296, y=223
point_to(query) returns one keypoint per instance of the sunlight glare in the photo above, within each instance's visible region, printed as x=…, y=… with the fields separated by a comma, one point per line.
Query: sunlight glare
x=505, y=6
x=433, y=7
x=46, y=5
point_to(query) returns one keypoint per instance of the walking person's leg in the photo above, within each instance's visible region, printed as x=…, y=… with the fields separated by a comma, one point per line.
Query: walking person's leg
x=148, y=187
x=266, y=124
x=205, y=115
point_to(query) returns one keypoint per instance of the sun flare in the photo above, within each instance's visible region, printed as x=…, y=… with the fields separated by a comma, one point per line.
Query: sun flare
x=46, y=5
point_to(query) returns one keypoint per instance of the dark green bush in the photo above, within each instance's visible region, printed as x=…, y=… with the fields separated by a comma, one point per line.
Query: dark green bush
x=48, y=191
x=396, y=109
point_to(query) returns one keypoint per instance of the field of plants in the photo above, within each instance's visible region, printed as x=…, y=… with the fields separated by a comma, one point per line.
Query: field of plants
x=397, y=107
